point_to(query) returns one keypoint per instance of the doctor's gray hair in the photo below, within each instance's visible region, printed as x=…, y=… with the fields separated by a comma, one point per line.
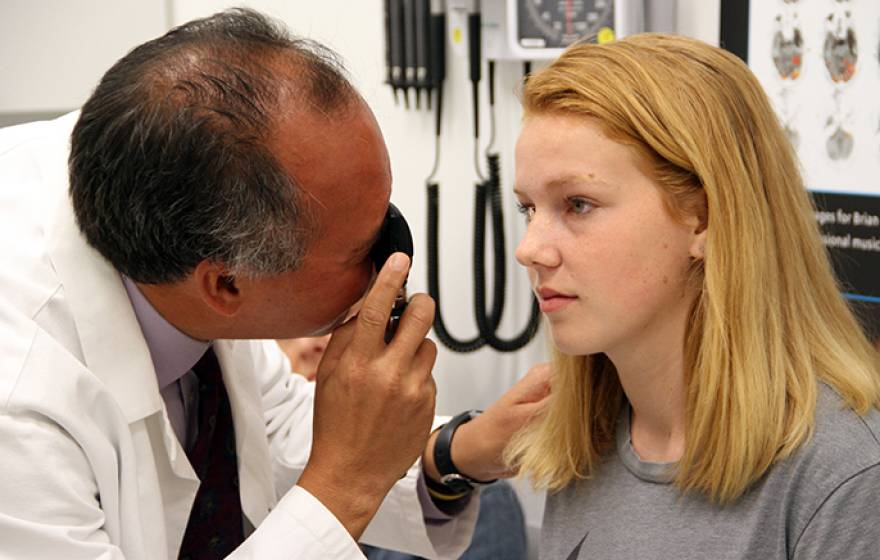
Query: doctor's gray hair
x=169, y=163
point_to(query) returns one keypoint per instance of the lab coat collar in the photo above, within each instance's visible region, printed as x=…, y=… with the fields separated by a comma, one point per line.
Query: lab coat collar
x=106, y=323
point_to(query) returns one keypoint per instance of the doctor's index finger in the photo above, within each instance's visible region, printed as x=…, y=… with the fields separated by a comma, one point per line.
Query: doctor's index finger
x=414, y=325
x=376, y=308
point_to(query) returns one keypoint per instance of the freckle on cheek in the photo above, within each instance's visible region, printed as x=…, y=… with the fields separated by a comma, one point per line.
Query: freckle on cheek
x=666, y=280
x=666, y=245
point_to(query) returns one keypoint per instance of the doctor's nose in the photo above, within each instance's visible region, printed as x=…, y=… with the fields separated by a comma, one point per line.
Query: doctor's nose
x=536, y=248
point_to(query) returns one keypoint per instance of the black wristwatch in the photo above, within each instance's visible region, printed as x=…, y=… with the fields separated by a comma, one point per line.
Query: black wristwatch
x=449, y=474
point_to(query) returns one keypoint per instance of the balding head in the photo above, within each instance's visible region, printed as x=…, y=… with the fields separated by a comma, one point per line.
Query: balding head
x=169, y=162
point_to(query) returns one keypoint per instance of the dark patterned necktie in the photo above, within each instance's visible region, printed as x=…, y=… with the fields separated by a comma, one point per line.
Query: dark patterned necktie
x=215, y=526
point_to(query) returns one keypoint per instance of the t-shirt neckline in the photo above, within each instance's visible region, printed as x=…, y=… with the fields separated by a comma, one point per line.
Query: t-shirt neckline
x=657, y=473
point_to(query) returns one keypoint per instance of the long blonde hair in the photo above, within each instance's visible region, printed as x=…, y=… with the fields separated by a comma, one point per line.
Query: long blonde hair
x=769, y=320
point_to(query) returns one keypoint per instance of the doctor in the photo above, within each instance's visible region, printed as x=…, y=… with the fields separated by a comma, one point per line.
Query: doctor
x=224, y=183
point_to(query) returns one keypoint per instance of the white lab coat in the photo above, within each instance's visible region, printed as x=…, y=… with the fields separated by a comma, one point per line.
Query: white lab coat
x=89, y=463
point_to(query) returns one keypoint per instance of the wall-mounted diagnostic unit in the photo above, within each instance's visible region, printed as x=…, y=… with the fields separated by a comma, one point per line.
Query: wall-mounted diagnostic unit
x=542, y=29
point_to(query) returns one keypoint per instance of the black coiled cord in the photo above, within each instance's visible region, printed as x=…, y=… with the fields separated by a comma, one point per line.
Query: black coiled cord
x=488, y=326
x=443, y=334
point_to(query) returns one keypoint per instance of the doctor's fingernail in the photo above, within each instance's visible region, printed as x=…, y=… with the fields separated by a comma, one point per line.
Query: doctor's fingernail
x=398, y=262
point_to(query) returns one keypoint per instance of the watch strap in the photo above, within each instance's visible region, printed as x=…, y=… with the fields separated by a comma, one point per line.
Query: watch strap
x=449, y=473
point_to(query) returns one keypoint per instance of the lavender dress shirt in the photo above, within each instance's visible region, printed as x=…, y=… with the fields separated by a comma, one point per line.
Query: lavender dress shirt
x=174, y=354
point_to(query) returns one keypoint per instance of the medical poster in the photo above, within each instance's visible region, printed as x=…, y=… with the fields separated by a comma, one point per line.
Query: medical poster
x=819, y=61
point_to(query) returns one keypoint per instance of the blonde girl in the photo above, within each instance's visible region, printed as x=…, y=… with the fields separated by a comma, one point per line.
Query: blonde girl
x=713, y=396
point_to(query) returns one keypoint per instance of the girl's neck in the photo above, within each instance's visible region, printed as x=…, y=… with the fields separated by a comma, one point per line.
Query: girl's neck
x=652, y=376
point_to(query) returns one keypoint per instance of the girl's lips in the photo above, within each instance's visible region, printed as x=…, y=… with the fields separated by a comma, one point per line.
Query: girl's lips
x=549, y=305
x=551, y=300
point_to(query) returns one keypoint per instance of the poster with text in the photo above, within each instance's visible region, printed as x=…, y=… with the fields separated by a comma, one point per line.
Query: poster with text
x=819, y=61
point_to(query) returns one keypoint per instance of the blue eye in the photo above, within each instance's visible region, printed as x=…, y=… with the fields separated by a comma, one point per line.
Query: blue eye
x=580, y=205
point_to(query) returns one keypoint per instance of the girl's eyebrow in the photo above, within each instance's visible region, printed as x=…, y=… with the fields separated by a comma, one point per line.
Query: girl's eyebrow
x=571, y=180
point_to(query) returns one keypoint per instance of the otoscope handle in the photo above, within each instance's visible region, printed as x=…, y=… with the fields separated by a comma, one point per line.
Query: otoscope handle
x=492, y=83
x=475, y=45
x=386, y=7
x=409, y=41
x=400, y=304
x=438, y=48
x=475, y=59
x=395, y=40
x=422, y=41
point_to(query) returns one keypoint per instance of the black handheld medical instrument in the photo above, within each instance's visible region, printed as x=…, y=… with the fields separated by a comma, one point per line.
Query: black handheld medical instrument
x=394, y=237
x=394, y=45
x=436, y=41
x=409, y=50
x=390, y=76
x=422, y=21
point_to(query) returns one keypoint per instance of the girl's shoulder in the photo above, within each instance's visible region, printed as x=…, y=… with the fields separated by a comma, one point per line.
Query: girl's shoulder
x=843, y=440
x=832, y=483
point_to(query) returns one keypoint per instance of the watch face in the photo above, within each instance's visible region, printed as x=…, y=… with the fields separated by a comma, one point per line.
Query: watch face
x=453, y=478
x=456, y=482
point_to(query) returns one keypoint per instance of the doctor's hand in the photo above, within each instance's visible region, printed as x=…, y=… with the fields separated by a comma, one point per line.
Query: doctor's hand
x=478, y=445
x=374, y=403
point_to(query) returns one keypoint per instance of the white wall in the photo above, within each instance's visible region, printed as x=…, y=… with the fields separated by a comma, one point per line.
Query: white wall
x=700, y=19
x=53, y=50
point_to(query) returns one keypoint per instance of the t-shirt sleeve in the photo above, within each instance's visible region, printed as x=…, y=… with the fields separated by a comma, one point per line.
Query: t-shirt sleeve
x=846, y=524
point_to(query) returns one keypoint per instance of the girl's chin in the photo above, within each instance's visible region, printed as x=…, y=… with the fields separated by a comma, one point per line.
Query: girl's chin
x=572, y=345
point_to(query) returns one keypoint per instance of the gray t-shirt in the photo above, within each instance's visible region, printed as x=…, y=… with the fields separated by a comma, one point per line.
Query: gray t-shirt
x=823, y=502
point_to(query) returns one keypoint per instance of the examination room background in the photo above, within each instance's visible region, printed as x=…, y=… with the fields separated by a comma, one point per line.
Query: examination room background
x=54, y=51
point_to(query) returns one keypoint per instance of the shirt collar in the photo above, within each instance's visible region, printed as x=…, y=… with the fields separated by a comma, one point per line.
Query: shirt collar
x=657, y=473
x=173, y=352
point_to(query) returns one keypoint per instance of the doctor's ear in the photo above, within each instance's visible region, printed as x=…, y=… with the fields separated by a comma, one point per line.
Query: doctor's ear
x=217, y=287
x=228, y=283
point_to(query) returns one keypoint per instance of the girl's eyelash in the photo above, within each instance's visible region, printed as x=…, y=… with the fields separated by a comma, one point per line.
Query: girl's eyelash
x=525, y=210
